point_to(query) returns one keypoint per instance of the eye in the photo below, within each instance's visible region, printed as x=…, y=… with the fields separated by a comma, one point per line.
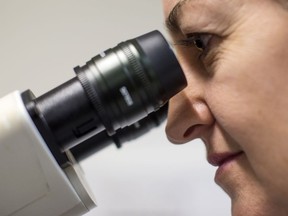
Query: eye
x=198, y=40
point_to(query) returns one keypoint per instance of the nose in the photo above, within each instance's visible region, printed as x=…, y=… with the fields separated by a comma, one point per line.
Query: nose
x=188, y=117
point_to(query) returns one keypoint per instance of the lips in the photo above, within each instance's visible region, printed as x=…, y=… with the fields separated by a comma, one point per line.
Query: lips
x=222, y=160
x=218, y=159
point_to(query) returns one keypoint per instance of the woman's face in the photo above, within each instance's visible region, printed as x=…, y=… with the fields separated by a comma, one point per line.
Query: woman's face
x=235, y=58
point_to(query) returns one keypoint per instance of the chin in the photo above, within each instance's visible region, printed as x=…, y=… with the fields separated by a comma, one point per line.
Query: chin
x=256, y=206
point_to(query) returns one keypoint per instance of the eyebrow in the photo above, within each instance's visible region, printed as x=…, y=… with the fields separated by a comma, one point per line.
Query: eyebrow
x=173, y=17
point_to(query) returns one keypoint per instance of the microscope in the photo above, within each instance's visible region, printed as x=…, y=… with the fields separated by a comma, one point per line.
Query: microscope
x=115, y=97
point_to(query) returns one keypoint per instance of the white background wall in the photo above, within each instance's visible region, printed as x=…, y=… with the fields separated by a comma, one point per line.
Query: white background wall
x=41, y=42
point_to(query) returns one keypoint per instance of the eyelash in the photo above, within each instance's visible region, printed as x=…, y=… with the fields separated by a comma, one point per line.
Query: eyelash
x=198, y=40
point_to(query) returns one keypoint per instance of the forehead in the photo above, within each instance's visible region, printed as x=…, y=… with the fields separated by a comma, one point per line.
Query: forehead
x=168, y=5
x=180, y=12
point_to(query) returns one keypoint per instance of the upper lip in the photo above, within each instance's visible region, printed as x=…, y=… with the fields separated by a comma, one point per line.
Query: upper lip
x=217, y=159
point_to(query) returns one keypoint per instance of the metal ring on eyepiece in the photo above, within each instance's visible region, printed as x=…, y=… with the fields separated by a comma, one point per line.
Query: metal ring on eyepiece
x=96, y=102
x=137, y=68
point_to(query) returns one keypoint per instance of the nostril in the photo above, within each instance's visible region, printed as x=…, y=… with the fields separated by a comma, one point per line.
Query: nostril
x=193, y=132
x=188, y=132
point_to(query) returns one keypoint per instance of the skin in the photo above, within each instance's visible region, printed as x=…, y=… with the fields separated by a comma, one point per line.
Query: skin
x=237, y=95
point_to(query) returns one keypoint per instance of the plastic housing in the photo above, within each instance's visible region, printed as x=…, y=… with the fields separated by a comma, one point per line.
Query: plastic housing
x=31, y=181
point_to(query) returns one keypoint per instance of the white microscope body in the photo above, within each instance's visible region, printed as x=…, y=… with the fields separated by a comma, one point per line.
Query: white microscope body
x=31, y=181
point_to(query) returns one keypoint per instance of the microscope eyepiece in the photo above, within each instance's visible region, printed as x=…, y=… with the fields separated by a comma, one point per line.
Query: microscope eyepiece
x=112, y=91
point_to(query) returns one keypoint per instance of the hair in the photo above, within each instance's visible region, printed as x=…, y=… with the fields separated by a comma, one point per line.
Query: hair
x=284, y=3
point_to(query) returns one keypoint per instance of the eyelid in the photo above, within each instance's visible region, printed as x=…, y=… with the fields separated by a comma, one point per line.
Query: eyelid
x=188, y=41
x=199, y=35
x=191, y=37
x=207, y=40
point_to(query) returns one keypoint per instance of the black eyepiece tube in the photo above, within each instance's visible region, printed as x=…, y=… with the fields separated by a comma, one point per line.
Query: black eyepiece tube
x=113, y=90
x=129, y=133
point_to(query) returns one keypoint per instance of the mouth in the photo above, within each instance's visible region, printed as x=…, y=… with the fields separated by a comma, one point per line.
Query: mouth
x=223, y=160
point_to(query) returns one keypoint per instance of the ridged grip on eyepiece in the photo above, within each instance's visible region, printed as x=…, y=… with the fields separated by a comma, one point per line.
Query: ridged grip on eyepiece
x=131, y=80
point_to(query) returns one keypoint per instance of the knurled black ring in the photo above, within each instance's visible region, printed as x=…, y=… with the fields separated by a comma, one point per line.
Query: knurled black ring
x=137, y=68
x=96, y=102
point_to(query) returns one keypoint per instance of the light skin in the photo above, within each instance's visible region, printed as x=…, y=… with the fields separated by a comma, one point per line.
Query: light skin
x=234, y=54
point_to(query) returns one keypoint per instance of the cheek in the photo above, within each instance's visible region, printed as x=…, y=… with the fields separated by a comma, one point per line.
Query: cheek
x=249, y=99
x=248, y=92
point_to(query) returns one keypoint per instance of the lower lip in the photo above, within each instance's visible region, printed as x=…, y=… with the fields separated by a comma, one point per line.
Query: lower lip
x=224, y=168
